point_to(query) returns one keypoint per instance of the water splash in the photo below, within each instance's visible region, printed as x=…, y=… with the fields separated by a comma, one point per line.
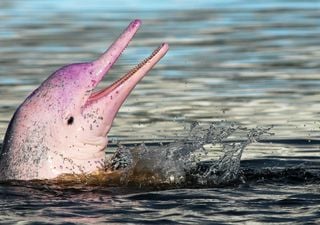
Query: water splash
x=187, y=162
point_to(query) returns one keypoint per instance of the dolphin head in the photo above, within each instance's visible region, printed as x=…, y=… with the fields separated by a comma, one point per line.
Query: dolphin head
x=62, y=126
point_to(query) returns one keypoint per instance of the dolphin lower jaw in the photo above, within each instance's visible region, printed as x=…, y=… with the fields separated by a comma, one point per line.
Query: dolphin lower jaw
x=105, y=104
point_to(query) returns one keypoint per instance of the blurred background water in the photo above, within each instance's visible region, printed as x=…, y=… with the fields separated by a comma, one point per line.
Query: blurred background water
x=251, y=62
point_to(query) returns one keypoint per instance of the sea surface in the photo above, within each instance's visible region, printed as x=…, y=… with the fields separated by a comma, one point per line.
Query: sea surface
x=228, y=120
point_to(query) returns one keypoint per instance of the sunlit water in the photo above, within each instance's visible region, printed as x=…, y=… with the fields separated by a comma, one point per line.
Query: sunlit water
x=248, y=71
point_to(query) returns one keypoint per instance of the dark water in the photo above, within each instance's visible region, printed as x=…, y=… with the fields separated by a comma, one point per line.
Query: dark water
x=250, y=63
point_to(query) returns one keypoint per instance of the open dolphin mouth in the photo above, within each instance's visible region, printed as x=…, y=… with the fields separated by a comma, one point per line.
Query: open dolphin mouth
x=107, y=59
x=110, y=99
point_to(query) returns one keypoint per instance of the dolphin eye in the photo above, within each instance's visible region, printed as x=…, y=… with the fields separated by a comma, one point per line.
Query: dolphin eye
x=70, y=120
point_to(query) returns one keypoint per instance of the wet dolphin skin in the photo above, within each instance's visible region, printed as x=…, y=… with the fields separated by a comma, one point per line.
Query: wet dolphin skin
x=62, y=126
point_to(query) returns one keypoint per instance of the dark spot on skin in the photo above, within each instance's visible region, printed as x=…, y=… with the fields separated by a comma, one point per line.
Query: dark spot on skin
x=70, y=120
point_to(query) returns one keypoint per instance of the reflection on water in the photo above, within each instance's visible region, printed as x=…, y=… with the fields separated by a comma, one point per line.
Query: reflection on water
x=255, y=63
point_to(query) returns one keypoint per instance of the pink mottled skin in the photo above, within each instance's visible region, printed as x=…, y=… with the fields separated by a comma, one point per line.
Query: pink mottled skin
x=62, y=126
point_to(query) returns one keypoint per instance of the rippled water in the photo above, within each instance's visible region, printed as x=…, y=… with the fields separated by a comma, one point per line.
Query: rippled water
x=253, y=63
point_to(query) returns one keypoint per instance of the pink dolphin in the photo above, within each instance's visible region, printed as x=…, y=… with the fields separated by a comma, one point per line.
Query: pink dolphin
x=62, y=127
